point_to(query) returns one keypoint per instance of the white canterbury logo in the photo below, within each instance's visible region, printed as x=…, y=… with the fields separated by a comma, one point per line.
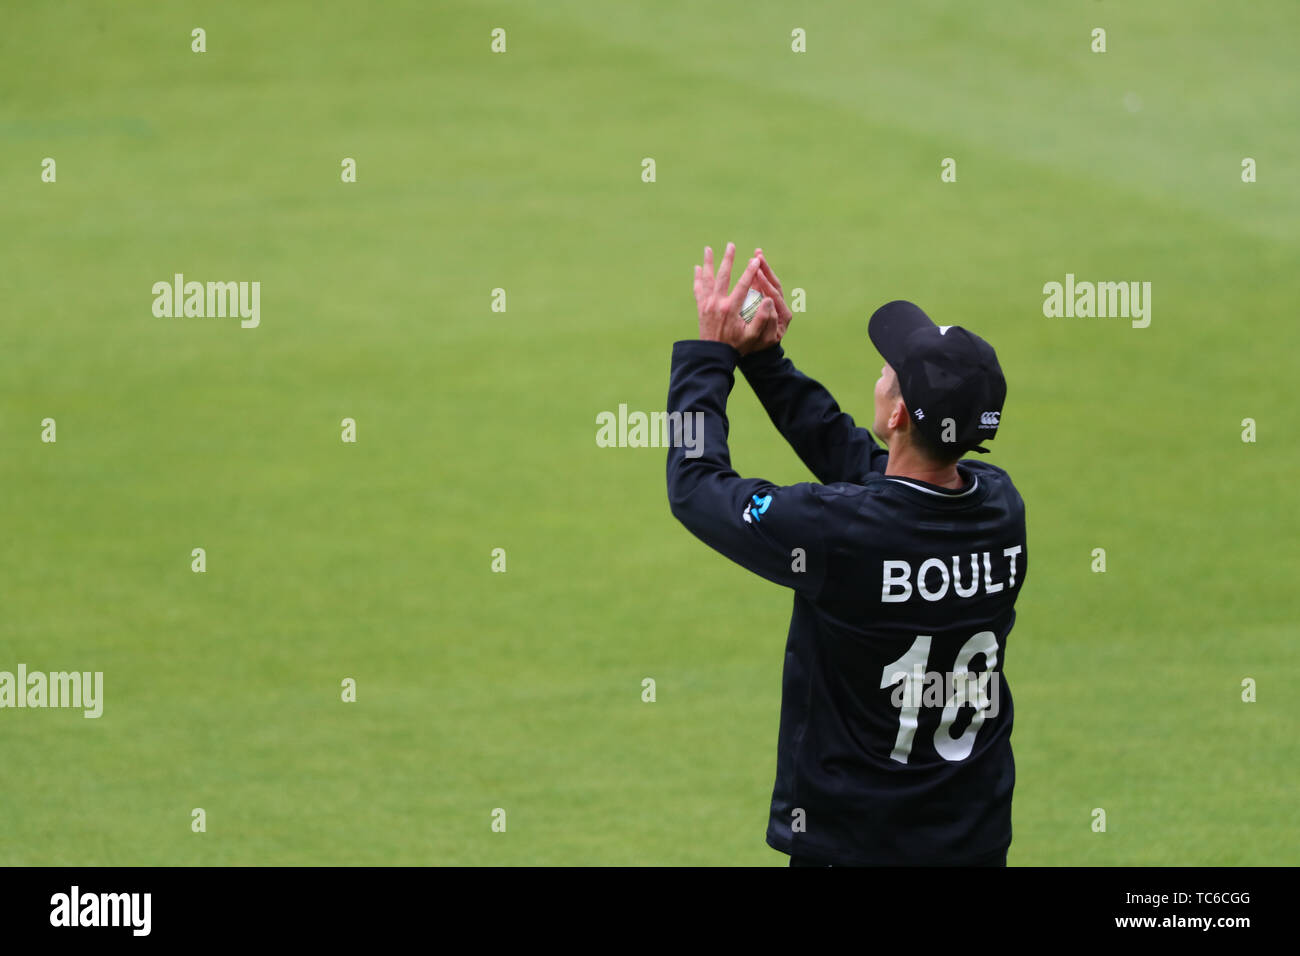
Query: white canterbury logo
x=989, y=419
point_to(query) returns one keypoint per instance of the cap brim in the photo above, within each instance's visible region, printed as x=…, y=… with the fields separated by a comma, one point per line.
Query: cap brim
x=892, y=324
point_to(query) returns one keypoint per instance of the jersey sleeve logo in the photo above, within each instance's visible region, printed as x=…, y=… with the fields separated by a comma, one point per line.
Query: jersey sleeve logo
x=756, y=508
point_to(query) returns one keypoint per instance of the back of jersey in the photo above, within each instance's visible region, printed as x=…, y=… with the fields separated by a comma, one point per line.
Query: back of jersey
x=896, y=717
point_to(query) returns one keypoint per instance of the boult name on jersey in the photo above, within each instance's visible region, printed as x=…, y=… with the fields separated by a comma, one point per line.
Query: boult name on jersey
x=934, y=579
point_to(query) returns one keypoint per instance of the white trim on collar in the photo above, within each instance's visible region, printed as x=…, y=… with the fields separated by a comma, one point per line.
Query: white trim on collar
x=939, y=494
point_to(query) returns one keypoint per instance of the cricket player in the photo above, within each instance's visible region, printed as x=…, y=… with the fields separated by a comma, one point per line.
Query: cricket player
x=905, y=562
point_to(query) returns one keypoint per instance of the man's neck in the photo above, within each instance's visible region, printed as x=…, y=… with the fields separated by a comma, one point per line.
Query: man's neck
x=904, y=462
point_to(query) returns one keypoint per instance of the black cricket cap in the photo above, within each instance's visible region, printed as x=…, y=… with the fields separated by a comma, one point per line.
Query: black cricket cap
x=944, y=371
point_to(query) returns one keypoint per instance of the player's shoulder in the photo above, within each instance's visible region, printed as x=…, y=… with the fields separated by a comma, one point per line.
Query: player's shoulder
x=830, y=495
x=991, y=474
x=850, y=493
x=834, y=502
x=847, y=503
x=981, y=467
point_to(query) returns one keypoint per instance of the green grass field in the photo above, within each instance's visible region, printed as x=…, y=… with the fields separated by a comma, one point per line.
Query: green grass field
x=522, y=171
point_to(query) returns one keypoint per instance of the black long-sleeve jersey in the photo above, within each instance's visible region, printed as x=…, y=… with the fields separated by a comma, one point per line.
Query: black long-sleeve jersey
x=895, y=734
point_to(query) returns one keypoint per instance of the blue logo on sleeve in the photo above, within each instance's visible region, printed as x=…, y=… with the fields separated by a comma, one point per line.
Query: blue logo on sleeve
x=757, y=507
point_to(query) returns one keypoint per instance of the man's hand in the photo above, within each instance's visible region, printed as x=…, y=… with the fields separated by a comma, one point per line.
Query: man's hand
x=719, y=310
x=766, y=282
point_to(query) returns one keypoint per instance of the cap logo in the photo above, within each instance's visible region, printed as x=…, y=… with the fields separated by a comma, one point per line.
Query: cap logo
x=944, y=328
x=990, y=419
x=920, y=414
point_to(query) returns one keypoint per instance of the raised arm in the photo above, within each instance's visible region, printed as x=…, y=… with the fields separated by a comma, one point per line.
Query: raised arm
x=773, y=531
